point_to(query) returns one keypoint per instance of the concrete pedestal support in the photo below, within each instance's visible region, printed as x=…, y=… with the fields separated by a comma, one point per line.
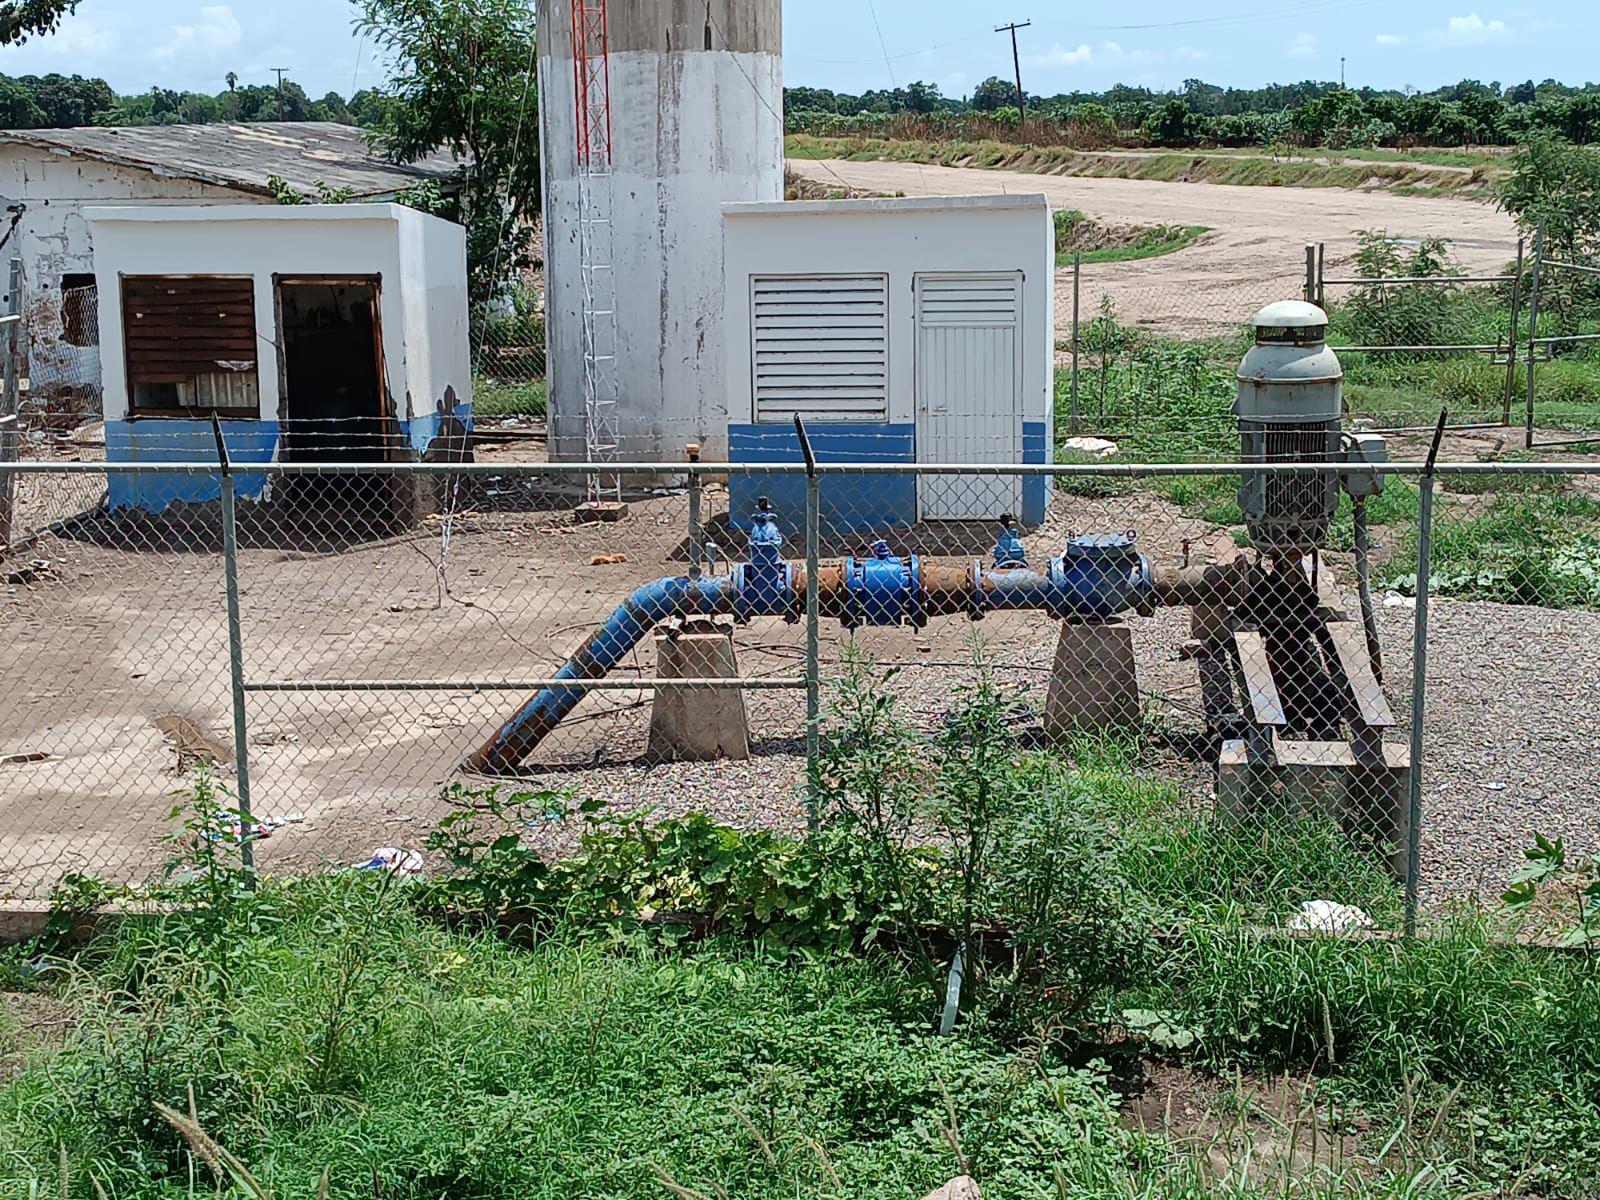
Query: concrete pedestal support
x=1094, y=686
x=691, y=724
x=1367, y=798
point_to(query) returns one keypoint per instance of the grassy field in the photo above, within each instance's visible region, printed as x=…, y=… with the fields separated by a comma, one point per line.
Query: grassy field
x=1076, y=233
x=693, y=1011
x=1244, y=168
x=495, y=398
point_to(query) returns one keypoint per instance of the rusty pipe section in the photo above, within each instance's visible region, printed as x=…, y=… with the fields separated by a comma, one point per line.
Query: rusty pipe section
x=1209, y=585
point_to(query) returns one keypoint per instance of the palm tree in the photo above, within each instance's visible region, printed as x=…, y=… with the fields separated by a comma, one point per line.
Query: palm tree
x=232, y=78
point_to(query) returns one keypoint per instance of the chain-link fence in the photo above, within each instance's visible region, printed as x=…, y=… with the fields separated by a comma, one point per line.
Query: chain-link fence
x=508, y=361
x=344, y=647
x=1149, y=364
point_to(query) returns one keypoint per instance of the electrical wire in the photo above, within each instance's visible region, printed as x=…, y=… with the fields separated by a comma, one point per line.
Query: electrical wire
x=1280, y=13
x=1314, y=8
x=765, y=103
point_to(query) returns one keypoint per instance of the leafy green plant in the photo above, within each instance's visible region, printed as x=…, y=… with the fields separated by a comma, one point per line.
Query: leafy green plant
x=207, y=876
x=1550, y=875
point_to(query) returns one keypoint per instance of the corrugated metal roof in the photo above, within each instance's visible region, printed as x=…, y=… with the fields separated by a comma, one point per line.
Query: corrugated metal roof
x=242, y=156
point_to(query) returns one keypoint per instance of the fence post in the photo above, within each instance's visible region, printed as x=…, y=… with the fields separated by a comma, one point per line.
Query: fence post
x=1311, y=273
x=697, y=531
x=1511, y=341
x=1419, y=679
x=1322, y=274
x=230, y=575
x=813, y=628
x=10, y=398
x=1533, y=326
x=1077, y=337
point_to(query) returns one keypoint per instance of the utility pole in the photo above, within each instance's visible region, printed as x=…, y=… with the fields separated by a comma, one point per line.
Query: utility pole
x=279, y=71
x=1016, y=63
x=1341, y=72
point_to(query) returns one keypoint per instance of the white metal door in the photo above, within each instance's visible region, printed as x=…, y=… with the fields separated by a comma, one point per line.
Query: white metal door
x=969, y=391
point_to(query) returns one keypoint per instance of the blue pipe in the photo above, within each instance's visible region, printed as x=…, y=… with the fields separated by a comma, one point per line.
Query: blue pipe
x=1097, y=577
x=605, y=648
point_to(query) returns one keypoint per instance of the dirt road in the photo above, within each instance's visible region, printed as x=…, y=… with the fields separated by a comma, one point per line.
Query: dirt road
x=1255, y=254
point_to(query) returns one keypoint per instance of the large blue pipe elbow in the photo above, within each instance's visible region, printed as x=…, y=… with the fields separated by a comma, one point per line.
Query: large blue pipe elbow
x=605, y=648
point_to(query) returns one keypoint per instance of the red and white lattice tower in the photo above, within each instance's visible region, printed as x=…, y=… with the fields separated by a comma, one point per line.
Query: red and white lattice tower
x=591, y=69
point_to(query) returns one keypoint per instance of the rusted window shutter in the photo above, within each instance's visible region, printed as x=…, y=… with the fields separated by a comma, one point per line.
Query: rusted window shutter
x=176, y=329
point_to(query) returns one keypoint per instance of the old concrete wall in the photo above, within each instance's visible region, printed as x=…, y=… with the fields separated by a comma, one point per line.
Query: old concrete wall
x=433, y=263
x=421, y=265
x=692, y=129
x=53, y=240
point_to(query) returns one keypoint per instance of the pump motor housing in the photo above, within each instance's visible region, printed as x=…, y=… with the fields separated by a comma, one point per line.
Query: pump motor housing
x=1290, y=403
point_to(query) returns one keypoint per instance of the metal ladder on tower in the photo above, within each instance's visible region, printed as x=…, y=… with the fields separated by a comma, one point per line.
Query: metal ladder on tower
x=592, y=92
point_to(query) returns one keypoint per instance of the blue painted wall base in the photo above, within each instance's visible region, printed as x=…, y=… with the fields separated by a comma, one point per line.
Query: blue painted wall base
x=869, y=503
x=183, y=440
x=865, y=504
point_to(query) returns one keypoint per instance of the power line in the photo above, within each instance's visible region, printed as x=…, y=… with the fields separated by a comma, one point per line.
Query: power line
x=1281, y=13
x=1316, y=8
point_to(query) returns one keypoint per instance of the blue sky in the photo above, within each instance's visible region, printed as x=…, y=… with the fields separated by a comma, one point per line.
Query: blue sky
x=836, y=43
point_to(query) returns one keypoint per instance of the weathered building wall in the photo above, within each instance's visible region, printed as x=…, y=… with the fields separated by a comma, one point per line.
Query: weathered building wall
x=897, y=241
x=53, y=241
x=421, y=265
x=696, y=98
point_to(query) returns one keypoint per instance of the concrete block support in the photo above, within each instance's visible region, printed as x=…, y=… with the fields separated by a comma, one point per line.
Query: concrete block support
x=1094, y=686
x=689, y=724
x=1367, y=797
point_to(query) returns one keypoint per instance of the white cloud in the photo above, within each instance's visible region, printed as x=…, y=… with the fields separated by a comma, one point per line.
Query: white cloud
x=79, y=38
x=1111, y=48
x=1190, y=54
x=1391, y=39
x=216, y=30
x=1303, y=46
x=1471, y=30
x=1059, y=56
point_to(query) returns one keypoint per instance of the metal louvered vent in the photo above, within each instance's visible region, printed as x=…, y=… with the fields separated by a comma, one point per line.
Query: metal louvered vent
x=969, y=301
x=820, y=347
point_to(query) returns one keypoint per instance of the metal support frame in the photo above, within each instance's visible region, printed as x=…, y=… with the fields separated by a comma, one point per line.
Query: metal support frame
x=1533, y=329
x=1077, y=339
x=1511, y=339
x=813, y=627
x=591, y=68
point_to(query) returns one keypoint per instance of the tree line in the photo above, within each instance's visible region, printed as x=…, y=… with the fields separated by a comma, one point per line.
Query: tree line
x=64, y=101
x=1309, y=113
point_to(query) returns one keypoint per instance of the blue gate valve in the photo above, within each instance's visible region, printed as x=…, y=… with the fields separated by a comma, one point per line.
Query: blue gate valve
x=882, y=590
x=1009, y=552
x=766, y=582
x=1100, y=575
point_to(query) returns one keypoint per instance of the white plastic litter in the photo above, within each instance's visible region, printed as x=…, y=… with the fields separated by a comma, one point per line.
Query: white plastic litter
x=391, y=858
x=1325, y=916
x=1396, y=600
x=1091, y=447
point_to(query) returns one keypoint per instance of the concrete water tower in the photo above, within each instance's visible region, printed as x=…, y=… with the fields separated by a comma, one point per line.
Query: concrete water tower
x=652, y=115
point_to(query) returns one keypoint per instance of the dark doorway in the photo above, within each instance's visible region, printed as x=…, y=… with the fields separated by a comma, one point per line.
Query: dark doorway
x=332, y=405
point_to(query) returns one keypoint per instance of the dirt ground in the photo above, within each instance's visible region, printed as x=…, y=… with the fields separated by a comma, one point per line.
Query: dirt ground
x=1255, y=253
